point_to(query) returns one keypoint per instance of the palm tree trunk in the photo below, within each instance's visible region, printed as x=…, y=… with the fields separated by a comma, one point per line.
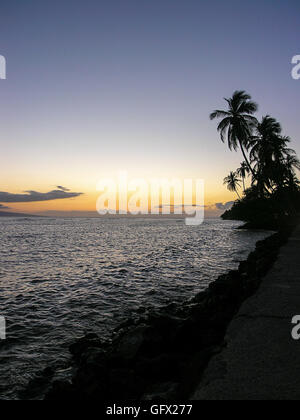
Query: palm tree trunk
x=238, y=194
x=247, y=160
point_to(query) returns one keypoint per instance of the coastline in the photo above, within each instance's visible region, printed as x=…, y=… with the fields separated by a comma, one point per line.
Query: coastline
x=163, y=354
x=261, y=358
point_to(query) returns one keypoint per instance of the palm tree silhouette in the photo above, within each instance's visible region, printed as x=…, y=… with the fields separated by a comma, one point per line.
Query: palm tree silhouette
x=243, y=171
x=291, y=164
x=269, y=154
x=270, y=163
x=262, y=143
x=232, y=181
x=237, y=123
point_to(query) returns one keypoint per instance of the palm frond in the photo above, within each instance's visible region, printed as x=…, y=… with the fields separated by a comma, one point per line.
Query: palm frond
x=219, y=114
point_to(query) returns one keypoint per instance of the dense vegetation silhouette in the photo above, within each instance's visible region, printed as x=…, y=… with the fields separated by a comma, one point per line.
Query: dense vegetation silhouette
x=269, y=167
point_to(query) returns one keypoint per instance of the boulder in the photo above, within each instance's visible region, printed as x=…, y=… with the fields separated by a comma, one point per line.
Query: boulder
x=129, y=344
x=169, y=391
x=62, y=391
x=81, y=345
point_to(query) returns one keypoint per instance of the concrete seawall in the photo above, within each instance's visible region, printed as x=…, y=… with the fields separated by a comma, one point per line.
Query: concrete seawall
x=261, y=360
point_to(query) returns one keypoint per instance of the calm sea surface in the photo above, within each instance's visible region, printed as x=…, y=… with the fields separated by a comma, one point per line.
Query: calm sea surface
x=62, y=277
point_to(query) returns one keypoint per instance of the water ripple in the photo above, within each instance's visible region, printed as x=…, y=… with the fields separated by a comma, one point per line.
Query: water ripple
x=62, y=277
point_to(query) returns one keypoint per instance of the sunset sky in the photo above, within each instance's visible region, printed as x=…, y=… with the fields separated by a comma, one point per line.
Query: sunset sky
x=97, y=87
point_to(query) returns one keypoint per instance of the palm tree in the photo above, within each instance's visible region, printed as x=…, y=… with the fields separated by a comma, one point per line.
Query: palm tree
x=243, y=171
x=267, y=133
x=269, y=152
x=232, y=181
x=291, y=164
x=262, y=144
x=237, y=123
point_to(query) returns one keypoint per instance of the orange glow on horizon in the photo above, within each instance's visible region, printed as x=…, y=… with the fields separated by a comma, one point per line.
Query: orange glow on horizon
x=87, y=201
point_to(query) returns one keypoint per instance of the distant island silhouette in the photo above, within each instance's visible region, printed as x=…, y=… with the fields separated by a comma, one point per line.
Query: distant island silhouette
x=10, y=214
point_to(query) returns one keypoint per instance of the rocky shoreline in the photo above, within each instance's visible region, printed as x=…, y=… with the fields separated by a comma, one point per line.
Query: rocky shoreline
x=162, y=355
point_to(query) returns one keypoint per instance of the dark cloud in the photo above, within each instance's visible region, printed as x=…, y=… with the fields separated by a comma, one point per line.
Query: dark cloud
x=31, y=196
x=4, y=207
x=224, y=206
x=59, y=187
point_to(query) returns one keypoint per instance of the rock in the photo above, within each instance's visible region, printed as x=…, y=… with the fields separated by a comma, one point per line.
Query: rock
x=141, y=310
x=172, y=309
x=220, y=319
x=168, y=391
x=90, y=340
x=201, y=297
x=91, y=336
x=200, y=313
x=227, y=286
x=162, y=355
x=38, y=385
x=164, y=328
x=92, y=381
x=48, y=372
x=187, y=338
x=164, y=322
x=62, y=391
x=124, y=325
x=164, y=367
x=130, y=343
x=93, y=356
x=125, y=384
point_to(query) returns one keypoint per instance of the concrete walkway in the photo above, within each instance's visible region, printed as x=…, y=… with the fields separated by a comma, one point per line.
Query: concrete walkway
x=261, y=360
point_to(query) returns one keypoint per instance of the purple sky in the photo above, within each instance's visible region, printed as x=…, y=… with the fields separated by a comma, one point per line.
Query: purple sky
x=100, y=86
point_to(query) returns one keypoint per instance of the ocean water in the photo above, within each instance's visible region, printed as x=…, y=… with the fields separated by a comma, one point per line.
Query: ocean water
x=60, y=278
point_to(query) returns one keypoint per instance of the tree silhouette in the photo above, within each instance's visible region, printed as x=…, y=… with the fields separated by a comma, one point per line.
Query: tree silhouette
x=243, y=172
x=237, y=123
x=232, y=181
x=273, y=198
x=270, y=155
